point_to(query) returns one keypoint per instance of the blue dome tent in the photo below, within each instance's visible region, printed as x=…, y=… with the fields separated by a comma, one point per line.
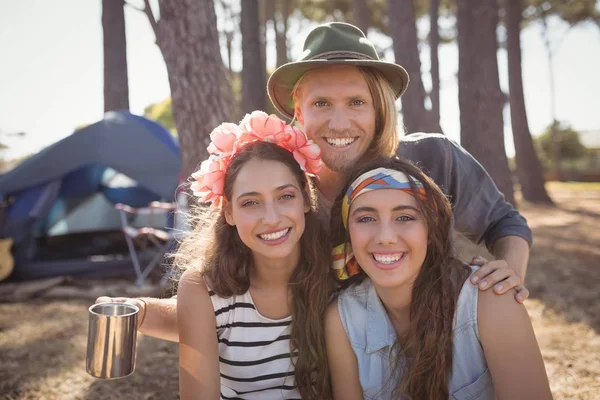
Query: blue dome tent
x=58, y=205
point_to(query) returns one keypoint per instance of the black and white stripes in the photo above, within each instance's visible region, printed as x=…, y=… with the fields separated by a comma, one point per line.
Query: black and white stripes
x=254, y=351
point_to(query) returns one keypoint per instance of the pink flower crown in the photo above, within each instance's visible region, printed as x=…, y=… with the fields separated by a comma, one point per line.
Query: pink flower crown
x=228, y=139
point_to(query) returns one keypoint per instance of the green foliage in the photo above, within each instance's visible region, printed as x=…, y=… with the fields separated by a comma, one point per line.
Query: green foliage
x=447, y=7
x=570, y=144
x=570, y=11
x=162, y=113
x=341, y=11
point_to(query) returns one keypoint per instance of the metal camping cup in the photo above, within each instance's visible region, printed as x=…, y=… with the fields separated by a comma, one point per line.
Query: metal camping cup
x=112, y=333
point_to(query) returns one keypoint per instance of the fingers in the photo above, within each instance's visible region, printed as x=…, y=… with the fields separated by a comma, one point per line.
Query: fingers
x=106, y=299
x=496, y=274
x=479, y=261
x=486, y=269
x=510, y=282
x=497, y=279
x=138, y=302
x=522, y=294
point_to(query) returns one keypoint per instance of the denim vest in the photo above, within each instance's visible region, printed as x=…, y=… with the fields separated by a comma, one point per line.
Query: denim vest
x=372, y=336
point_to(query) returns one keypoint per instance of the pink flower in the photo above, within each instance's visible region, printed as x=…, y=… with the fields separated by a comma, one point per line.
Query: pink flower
x=306, y=152
x=259, y=124
x=227, y=139
x=210, y=180
x=223, y=139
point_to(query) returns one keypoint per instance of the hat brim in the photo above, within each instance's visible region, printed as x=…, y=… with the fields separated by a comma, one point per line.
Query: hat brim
x=283, y=79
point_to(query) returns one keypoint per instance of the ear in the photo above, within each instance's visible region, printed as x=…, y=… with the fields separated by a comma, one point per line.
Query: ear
x=298, y=114
x=306, y=199
x=228, y=214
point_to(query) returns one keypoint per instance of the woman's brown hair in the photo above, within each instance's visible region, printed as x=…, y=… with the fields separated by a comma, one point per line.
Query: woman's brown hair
x=225, y=261
x=426, y=347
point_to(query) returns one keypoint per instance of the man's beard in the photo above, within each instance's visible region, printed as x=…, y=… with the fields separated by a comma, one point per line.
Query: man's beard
x=342, y=162
x=339, y=162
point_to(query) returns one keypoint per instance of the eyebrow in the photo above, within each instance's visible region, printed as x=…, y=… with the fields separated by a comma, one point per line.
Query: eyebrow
x=277, y=189
x=372, y=209
x=325, y=97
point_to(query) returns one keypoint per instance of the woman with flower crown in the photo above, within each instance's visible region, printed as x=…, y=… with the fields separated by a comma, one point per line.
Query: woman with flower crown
x=250, y=318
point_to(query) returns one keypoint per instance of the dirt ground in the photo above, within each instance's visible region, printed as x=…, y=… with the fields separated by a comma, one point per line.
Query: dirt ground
x=43, y=343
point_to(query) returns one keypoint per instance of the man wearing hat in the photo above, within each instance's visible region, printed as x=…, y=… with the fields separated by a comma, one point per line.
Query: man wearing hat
x=343, y=96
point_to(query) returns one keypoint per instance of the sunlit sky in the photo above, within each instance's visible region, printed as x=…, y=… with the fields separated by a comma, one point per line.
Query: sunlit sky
x=51, y=77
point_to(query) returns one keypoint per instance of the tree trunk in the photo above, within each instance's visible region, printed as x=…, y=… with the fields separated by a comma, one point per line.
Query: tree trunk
x=229, y=44
x=434, y=43
x=361, y=15
x=263, y=19
x=281, y=27
x=403, y=29
x=253, y=69
x=555, y=149
x=480, y=97
x=116, y=83
x=529, y=170
x=201, y=93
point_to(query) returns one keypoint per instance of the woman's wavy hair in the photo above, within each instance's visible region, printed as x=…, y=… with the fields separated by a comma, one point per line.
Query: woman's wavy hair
x=225, y=261
x=427, y=345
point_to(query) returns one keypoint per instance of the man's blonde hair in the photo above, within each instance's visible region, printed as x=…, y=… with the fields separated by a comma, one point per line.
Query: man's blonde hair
x=385, y=141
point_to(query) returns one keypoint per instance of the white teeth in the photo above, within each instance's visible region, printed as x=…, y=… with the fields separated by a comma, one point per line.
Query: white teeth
x=340, y=142
x=388, y=258
x=274, y=235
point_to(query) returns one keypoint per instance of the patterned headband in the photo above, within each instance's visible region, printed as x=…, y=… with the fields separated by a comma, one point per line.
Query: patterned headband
x=343, y=259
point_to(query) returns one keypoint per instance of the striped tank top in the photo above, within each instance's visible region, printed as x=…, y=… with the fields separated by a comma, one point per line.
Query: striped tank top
x=254, y=351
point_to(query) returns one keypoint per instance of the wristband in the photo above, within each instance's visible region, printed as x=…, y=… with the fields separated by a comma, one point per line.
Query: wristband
x=145, y=311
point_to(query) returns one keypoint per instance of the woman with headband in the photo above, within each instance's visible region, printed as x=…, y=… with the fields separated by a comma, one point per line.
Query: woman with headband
x=408, y=324
x=250, y=318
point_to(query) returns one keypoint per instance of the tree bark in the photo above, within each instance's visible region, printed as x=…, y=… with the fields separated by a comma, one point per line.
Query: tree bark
x=263, y=19
x=434, y=43
x=200, y=91
x=403, y=28
x=556, y=159
x=480, y=98
x=529, y=169
x=361, y=15
x=116, y=83
x=281, y=27
x=228, y=34
x=254, y=71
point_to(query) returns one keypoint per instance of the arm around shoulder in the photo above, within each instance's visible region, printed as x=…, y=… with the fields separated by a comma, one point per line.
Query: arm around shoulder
x=511, y=349
x=343, y=366
x=480, y=210
x=199, y=376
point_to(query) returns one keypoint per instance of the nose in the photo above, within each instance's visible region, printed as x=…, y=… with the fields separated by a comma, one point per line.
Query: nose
x=271, y=217
x=339, y=121
x=387, y=234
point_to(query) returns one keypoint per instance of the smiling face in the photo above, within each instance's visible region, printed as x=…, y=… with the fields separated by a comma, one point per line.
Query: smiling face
x=267, y=208
x=336, y=109
x=389, y=236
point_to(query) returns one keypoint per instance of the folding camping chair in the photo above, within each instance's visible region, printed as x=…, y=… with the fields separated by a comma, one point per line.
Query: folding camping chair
x=146, y=238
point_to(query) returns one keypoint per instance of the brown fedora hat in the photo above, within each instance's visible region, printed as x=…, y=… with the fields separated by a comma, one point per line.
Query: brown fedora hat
x=332, y=43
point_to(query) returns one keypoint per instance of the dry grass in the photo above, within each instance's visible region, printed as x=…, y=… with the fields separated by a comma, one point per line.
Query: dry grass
x=42, y=343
